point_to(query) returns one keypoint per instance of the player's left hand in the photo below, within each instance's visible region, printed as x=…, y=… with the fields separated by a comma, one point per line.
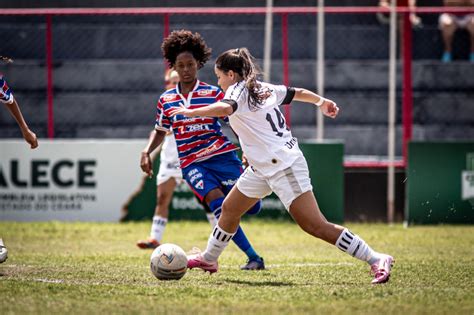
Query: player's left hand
x=329, y=108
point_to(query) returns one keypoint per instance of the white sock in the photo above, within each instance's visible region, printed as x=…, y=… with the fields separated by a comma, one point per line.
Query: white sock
x=356, y=247
x=158, y=227
x=212, y=219
x=218, y=241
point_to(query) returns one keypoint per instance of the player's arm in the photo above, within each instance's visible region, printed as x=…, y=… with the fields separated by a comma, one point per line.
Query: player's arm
x=155, y=139
x=28, y=135
x=328, y=107
x=218, y=109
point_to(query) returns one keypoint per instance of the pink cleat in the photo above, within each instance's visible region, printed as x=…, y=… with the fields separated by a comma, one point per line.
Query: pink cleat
x=381, y=269
x=197, y=261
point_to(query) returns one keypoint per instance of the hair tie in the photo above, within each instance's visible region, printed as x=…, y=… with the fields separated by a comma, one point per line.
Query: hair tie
x=237, y=50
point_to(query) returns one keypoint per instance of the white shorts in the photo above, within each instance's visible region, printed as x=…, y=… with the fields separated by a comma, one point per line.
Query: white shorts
x=460, y=21
x=287, y=184
x=169, y=169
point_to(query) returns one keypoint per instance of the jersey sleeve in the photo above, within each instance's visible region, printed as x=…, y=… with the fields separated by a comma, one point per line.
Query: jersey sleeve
x=236, y=96
x=162, y=121
x=284, y=95
x=6, y=94
x=219, y=96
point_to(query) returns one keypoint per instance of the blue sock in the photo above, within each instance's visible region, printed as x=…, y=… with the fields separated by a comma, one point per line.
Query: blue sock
x=256, y=208
x=447, y=57
x=239, y=238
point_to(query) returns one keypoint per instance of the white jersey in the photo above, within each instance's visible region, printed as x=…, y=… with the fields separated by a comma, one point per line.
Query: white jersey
x=169, y=151
x=264, y=136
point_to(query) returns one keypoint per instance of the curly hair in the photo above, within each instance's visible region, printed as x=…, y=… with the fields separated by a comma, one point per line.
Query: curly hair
x=185, y=41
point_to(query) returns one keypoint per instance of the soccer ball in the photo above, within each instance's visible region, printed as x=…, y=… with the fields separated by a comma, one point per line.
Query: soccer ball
x=168, y=262
x=3, y=252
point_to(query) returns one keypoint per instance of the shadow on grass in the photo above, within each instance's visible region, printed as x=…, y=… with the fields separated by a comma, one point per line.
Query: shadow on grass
x=261, y=284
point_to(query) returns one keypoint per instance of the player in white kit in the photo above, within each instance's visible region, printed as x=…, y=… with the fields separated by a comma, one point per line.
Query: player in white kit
x=276, y=162
x=169, y=175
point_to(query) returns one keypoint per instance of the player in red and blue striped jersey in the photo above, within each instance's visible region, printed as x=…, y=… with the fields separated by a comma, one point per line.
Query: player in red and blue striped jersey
x=199, y=138
x=6, y=97
x=208, y=160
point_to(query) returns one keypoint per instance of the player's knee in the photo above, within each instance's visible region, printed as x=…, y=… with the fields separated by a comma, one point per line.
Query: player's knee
x=228, y=211
x=256, y=208
x=445, y=21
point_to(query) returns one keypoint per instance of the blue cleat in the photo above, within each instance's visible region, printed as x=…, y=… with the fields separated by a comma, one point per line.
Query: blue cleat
x=254, y=264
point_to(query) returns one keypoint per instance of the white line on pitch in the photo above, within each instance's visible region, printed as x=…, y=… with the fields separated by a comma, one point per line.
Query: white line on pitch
x=302, y=265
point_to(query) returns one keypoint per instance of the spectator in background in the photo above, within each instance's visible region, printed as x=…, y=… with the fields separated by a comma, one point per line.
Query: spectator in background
x=449, y=23
x=384, y=18
x=6, y=97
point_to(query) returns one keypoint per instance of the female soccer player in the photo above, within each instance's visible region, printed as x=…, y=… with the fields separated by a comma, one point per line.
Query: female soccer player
x=207, y=158
x=6, y=97
x=169, y=175
x=276, y=162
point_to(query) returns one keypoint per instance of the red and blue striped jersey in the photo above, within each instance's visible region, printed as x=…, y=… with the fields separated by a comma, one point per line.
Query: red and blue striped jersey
x=197, y=138
x=6, y=94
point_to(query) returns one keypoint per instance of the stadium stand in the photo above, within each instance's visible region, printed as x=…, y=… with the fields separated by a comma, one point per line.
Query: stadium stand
x=103, y=90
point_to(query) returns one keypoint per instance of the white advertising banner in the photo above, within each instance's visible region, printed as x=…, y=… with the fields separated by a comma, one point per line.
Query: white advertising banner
x=70, y=180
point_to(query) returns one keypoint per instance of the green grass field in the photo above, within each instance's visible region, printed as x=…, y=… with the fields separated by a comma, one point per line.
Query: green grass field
x=96, y=268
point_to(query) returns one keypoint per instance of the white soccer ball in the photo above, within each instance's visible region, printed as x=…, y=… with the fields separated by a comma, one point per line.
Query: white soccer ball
x=3, y=252
x=168, y=262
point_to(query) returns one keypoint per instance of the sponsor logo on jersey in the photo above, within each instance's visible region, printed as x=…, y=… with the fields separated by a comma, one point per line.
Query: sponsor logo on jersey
x=207, y=151
x=204, y=92
x=200, y=184
x=169, y=97
x=192, y=128
x=192, y=172
x=229, y=182
x=194, y=177
x=290, y=144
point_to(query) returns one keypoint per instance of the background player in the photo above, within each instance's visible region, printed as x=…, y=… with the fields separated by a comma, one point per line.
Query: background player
x=169, y=175
x=208, y=160
x=276, y=162
x=6, y=97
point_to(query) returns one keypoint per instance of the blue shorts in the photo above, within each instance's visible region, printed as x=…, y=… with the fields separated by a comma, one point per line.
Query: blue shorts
x=220, y=171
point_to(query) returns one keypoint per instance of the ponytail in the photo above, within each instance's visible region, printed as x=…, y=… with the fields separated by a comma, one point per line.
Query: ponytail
x=243, y=63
